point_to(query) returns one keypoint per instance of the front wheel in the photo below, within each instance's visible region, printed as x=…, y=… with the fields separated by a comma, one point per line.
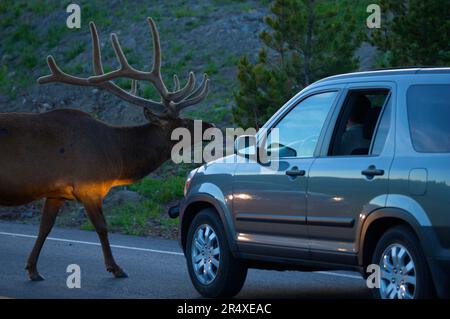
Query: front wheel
x=214, y=272
x=404, y=270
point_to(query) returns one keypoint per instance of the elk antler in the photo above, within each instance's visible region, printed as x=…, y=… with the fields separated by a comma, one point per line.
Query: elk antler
x=171, y=102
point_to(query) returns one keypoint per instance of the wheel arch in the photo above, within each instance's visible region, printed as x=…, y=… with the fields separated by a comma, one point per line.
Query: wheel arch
x=377, y=223
x=195, y=205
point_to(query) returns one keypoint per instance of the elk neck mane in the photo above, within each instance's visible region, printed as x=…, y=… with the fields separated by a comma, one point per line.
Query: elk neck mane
x=142, y=149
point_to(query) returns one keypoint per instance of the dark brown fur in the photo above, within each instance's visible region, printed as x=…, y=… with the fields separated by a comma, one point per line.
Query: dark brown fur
x=68, y=155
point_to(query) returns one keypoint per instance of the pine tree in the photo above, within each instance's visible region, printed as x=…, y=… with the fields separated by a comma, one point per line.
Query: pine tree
x=414, y=33
x=307, y=40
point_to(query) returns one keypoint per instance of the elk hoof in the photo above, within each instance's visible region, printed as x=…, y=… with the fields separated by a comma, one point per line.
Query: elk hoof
x=36, y=277
x=117, y=272
x=33, y=273
x=120, y=274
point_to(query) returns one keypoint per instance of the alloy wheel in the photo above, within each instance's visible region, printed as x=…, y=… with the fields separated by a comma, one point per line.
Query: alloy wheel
x=398, y=273
x=205, y=254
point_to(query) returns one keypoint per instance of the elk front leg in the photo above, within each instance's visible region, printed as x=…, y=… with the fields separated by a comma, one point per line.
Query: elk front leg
x=95, y=214
x=49, y=212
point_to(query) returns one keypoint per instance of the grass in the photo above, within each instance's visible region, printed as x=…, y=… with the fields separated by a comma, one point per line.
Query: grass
x=192, y=24
x=211, y=67
x=133, y=219
x=124, y=83
x=184, y=12
x=95, y=11
x=76, y=69
x=29, y=58
x=4, y=82
x=54, y=35
x=160, y=190
x=140, y=218
x=73, y=52
x=215, y=114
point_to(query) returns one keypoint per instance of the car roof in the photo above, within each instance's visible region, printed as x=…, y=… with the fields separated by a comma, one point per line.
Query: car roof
x=394, y=72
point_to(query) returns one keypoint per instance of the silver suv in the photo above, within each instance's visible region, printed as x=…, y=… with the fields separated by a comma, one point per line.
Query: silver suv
x=362, y=178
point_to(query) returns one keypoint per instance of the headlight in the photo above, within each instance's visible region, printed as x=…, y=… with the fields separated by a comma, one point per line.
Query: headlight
x=188, y=181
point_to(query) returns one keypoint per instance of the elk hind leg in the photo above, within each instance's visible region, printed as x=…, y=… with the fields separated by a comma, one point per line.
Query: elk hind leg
x=95, y=214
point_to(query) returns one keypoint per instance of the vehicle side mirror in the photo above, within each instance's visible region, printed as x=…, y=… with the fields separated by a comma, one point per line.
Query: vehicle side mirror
x=245, y=146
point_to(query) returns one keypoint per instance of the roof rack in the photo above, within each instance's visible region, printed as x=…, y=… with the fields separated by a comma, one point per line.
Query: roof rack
x=405, y=67
x=389, y=71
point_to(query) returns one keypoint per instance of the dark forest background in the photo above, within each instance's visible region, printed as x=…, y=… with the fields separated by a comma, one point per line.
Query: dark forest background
x=257, y=53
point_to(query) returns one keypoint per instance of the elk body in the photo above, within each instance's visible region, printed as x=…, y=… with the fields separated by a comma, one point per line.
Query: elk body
x=66, y=154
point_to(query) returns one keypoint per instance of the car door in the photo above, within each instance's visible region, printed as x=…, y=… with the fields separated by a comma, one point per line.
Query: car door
x=269, y=202
x=343, y=188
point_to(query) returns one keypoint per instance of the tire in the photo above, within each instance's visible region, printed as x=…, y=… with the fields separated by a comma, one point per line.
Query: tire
x=229, y=275
x=396, y=277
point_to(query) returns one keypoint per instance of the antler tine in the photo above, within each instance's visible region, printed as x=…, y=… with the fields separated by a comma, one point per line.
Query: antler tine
x=59, y=76
x=125, y=69
x=197, y=96
x=171, y=102
x=134, y=87
x=181, y=94
x=119, y=52
x=194, y=93
x=176, y=83
x=96, y=51
x=128, y=71
x=156, y=47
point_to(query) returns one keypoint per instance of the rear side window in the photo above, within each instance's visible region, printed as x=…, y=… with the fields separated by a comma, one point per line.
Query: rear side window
x=429, y=118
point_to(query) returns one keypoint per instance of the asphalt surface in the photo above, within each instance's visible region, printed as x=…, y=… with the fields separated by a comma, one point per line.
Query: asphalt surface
x=156, y=269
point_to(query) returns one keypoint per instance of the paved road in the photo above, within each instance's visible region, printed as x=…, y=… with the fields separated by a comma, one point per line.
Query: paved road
x=156, y=269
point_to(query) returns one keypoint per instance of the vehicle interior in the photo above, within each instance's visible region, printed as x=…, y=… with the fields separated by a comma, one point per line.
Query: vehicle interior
x=357, y=122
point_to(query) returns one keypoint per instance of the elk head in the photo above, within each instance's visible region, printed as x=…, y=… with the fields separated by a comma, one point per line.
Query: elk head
x=164, y=113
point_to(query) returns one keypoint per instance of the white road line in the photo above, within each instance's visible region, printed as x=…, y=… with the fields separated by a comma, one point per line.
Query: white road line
x=95, y=244
x=329, y=273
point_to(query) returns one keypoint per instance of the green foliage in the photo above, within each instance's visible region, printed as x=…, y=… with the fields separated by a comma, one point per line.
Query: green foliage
x=139, y=218
x=192, y=24
x=124, y=83
x=184, y=12
x=73, y=52
x=78, y=68
x=24, y=33
x=54, y=35
x=215, y=114
x=307, y=41
x=4, y=82
x=211, y=67
x=28, y=58
x=414, y=32
x=133, y=219
x=160, y=190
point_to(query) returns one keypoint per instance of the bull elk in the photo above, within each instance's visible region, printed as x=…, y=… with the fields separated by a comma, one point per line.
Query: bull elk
x=66, y=154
